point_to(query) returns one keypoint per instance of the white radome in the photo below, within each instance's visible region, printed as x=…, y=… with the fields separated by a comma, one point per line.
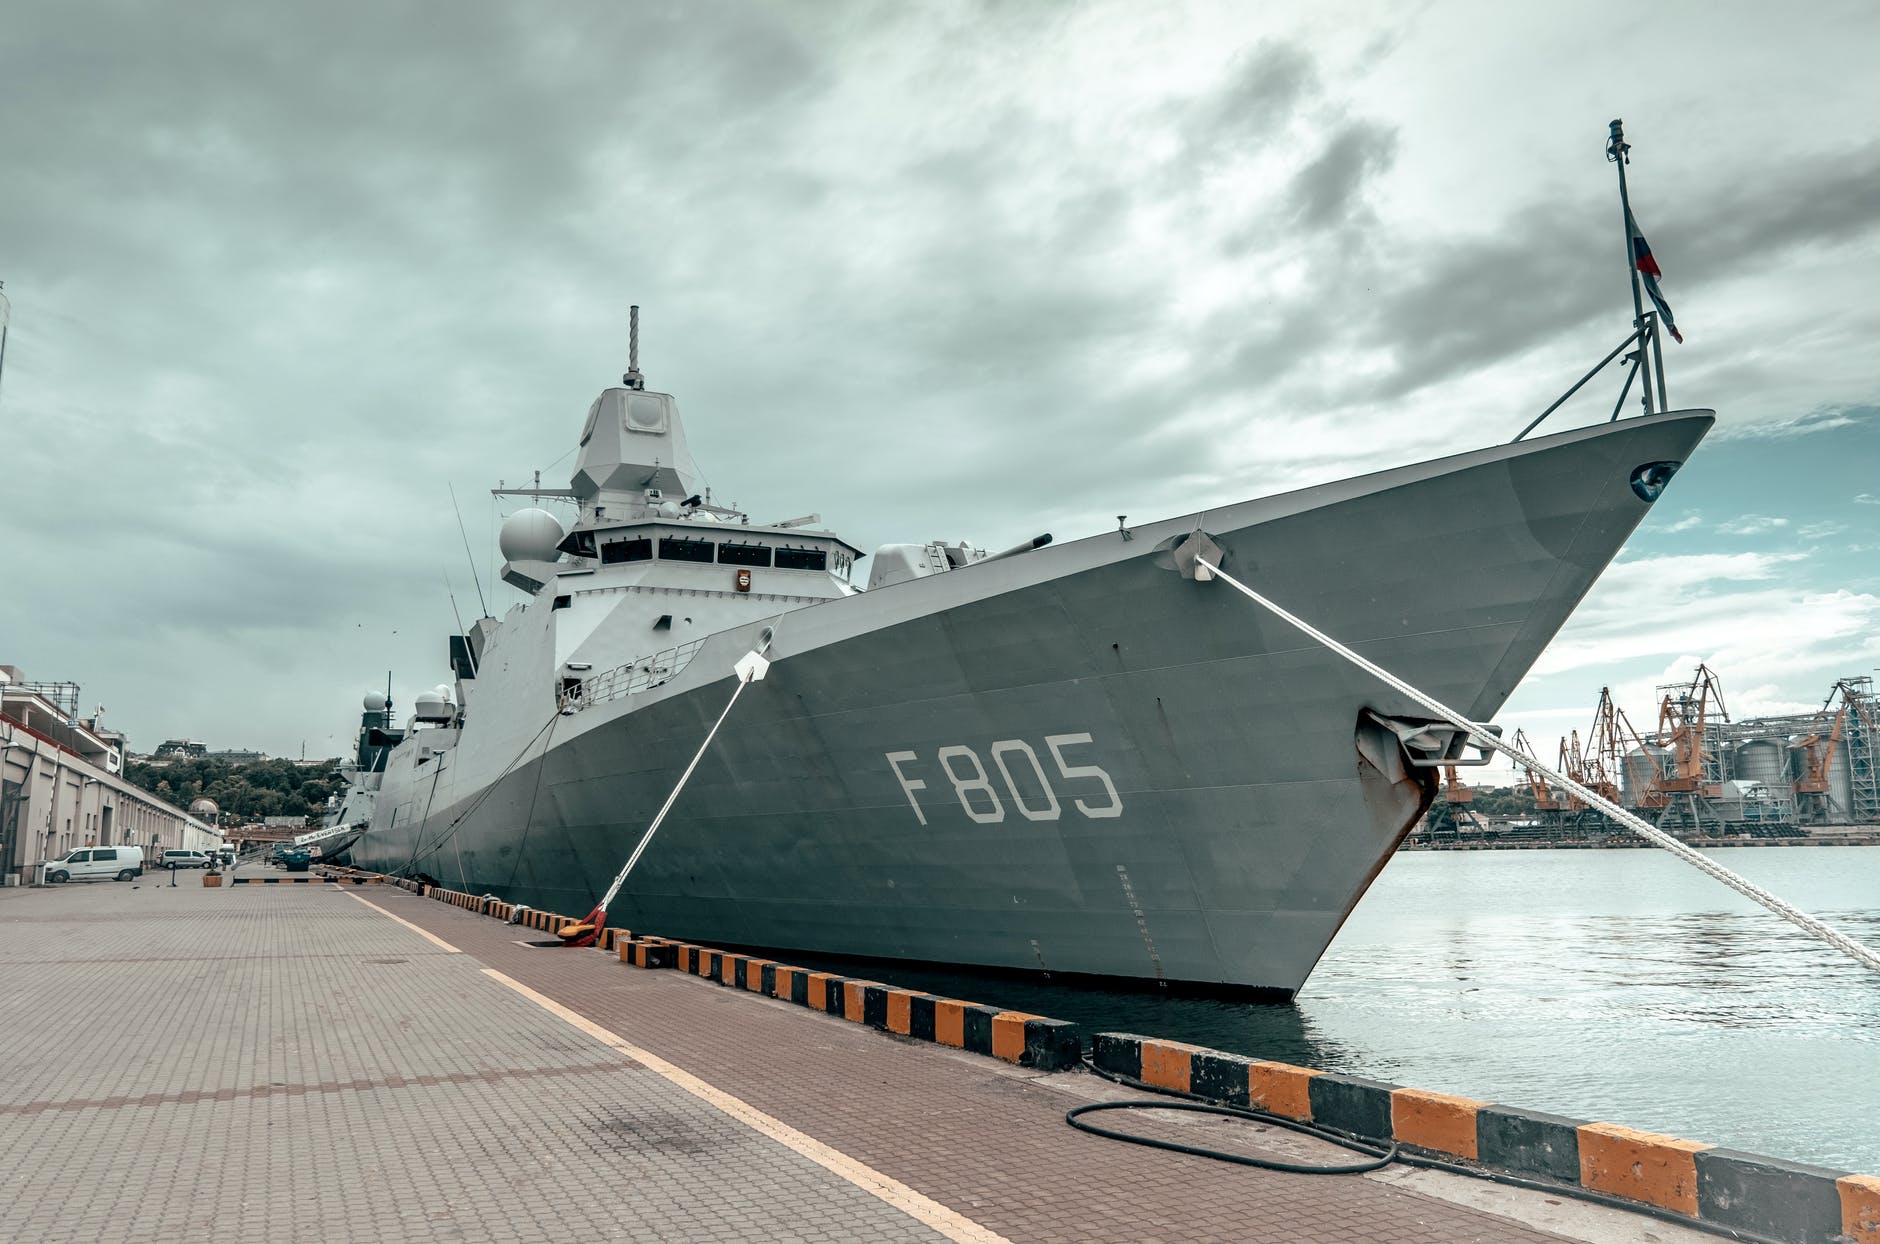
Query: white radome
x=375, y=701
x=430, y=706
x=530, y=536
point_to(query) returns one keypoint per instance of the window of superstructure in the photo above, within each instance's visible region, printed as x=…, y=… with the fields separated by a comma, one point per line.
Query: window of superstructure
x=638, y=549
x=744, y=555
x=684, y=549
x=802, y=559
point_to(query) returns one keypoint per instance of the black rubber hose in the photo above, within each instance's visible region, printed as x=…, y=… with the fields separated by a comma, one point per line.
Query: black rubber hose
x=1381, y=1156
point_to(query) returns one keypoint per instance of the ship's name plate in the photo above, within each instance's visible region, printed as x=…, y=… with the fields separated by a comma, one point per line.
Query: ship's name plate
x=1022, y=783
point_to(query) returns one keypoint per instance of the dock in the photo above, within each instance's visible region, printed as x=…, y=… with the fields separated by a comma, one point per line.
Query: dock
x=339, y=1062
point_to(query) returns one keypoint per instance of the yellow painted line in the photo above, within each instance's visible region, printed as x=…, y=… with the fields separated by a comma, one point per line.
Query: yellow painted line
x=426, y=934
x=923, y=1209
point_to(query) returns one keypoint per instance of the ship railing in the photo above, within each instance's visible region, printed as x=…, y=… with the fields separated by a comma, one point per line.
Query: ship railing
x=639, y=674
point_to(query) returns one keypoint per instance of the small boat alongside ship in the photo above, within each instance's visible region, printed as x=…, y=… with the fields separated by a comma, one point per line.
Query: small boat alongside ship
x=1083, y=758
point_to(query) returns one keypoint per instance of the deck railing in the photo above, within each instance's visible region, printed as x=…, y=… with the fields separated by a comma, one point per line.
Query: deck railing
x=639, y=674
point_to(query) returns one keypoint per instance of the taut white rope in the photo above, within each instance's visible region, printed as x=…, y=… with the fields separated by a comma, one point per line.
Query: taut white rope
x=750, y=668
x=1858, y=951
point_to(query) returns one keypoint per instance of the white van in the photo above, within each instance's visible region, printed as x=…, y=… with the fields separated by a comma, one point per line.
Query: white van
x=97, y=864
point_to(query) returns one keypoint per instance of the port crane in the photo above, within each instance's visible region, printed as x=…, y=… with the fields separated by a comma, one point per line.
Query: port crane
x=1546, y=801
x=1615, y=740
x=1817, y=749
x=1685, y=717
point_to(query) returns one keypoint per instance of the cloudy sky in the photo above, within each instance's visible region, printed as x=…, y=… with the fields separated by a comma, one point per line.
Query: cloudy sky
x=282, y=275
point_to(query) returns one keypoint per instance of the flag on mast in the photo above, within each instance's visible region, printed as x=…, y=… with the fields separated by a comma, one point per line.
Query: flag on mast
x=1648, y=268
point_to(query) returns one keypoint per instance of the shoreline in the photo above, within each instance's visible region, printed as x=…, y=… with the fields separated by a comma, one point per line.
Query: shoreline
x=1853, y=836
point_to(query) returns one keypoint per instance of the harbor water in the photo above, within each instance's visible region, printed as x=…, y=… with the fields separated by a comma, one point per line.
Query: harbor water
x=1620, y=986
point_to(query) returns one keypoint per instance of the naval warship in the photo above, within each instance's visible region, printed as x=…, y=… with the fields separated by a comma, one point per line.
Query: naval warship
x=1085, y=758
x=349, y=813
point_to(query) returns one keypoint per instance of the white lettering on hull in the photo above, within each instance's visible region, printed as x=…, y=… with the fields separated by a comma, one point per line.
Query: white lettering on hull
x=980, y=798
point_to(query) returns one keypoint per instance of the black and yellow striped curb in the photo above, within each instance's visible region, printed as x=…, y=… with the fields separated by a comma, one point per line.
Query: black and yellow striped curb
x=1787, y=1201
x=280, y=880
x=1014, y=1036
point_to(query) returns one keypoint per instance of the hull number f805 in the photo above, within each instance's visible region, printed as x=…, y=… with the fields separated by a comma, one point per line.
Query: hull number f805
x=1021, y=778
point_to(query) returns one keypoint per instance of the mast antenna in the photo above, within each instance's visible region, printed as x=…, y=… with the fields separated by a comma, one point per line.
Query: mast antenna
x=633, y=379
x=474, y=576
x=1619, y=152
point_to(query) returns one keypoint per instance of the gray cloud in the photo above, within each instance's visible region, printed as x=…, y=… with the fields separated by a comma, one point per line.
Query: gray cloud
x=280, y=274
x=1327, y=189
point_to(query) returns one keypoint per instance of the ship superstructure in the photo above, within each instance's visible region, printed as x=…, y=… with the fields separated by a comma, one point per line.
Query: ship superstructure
x=1086, y=759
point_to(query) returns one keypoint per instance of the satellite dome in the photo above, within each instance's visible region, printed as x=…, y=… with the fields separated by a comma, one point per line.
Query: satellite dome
x=375, y=701
x=430, y=706
x=204, y=807
x=444, y=691
x=530, y=536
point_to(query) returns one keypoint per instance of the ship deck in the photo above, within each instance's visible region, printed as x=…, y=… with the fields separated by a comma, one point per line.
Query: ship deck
x=328, y=1062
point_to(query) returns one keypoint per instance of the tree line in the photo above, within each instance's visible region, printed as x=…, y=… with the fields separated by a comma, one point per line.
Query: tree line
x=244, y=790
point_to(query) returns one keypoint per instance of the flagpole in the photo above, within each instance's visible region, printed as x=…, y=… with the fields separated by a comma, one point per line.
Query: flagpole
x=1658, y=361
x=1616, y=151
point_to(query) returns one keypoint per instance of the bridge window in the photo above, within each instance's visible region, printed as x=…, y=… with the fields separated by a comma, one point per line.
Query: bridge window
x=682, y=549
x=744, y=555
x=636, y=550
x=802, y=559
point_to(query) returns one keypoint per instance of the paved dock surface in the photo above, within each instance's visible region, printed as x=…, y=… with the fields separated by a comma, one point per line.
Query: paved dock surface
x=339, y=1063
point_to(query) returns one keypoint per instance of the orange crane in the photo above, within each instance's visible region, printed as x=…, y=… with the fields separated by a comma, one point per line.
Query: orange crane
x=1818, y=753
x=1458, y=795
x=1612, y=738
x=1599, y=763
x=1683, y=718
x=1454, y=789
x=1813, y=788
x=1545, y=800
x=1573, y=764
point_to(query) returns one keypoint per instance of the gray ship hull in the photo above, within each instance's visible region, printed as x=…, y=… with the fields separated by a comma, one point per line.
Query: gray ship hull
x=1077, y=761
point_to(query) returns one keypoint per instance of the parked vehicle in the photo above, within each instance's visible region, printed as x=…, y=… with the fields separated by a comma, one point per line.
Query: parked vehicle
x=185, y=859
x=97, y=864
x=295, y=860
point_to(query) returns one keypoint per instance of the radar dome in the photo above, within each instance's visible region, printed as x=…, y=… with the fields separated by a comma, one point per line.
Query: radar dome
x=530, y=536
x=204, y=807
x=444, y=691
x=430, y=706
x=375, y=701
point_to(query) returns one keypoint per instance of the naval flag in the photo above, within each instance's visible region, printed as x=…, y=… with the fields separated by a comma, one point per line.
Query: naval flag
x=1648, y=268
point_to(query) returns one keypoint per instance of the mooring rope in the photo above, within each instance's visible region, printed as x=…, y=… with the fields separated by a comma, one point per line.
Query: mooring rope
x=751, y=668
x=1858, y=951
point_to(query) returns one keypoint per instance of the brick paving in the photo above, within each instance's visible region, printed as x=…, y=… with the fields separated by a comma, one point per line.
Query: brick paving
x=282, y=1063
x=285, y=1063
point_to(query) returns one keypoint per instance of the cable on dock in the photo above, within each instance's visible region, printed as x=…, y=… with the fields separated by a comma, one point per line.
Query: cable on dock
x=1194, y=1103
x=1859, y=952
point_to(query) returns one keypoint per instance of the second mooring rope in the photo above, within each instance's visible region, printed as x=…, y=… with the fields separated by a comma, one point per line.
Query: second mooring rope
x=1858, y=951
